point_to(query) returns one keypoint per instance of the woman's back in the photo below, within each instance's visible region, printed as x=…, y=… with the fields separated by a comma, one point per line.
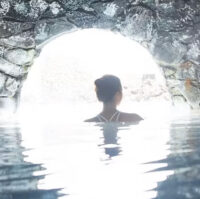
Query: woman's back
x=120, y=117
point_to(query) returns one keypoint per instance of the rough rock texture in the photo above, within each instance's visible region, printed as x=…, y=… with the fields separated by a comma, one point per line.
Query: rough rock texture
x=170, y=29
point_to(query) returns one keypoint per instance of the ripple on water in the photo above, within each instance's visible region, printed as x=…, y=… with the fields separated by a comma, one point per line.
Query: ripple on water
x=18, y=178
x=50, y=161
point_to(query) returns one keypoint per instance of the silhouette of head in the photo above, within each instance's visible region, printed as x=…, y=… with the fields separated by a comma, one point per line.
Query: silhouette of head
x=109, y=89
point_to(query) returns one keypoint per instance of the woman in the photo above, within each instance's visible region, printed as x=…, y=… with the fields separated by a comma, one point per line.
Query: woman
x=109, y=91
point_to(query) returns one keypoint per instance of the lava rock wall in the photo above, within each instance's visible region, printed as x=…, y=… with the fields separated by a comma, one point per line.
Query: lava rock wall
x=169, y=29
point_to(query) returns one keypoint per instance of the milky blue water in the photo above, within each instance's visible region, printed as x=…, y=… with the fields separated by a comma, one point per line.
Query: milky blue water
x=86, y=161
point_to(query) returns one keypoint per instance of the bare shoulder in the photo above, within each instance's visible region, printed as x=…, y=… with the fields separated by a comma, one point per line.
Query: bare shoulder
x=130, y=117
x=94, y=119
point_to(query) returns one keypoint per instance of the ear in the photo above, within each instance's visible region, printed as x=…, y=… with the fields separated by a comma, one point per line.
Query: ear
x=118, y=97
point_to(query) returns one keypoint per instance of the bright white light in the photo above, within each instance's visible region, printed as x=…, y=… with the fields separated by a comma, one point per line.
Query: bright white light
x=105, y=51
x=67, y=67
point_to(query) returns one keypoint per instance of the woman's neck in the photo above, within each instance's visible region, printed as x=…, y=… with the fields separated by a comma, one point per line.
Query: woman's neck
x=109, y=108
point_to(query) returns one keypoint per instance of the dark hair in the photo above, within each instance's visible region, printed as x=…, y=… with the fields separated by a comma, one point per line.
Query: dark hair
x=106, y=87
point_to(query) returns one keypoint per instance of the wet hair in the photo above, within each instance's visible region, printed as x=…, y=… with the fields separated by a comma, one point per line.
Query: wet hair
x=106, y=87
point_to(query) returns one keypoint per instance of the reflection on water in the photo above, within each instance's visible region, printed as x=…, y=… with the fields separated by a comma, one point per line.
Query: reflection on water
x=145, y=161
x=17, y=177
x=110, y=139
x=183, y=160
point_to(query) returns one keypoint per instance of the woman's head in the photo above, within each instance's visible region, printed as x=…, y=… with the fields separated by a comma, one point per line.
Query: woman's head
x=109, y=89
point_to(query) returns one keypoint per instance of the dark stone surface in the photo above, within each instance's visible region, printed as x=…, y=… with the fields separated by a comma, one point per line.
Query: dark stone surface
x=170, y=29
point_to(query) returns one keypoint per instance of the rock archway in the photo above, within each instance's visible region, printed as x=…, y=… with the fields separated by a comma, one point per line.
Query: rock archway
x=169, y=29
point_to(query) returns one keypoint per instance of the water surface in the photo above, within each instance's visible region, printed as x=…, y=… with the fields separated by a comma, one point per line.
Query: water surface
x=76, y=161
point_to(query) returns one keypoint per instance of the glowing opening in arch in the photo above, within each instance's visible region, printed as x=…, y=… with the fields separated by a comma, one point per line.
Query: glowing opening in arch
x=61, y=80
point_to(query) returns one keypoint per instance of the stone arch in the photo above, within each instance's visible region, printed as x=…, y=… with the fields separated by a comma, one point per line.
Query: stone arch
x=168, y=29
